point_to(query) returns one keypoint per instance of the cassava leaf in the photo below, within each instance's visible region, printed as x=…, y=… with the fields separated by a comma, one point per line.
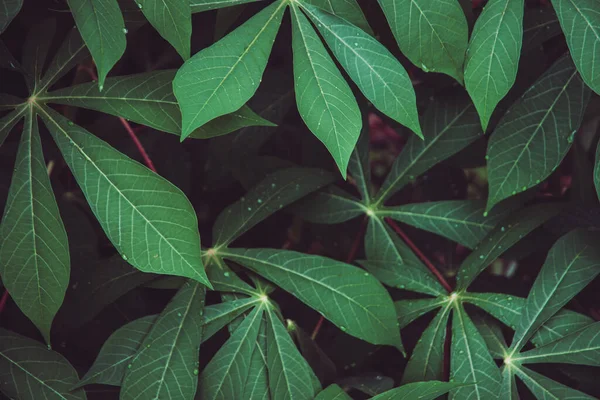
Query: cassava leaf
x=346, y=9
x=410, y=310
x=128, y=199
x=35, y=50
x=491, y=332
x=205, y=5
x=221, y=78
x=563, y=323
x=257, y=383
x=433, y=34
x=324, y=99
x=224, y=279
x=29, y=371
x=418, y=390
x=9, y=10
x=219, y=315
x=34, y=251
x=493, y=55
x=347, y=296
x=536, y=132
x=539, y=25
x=359, y=166
x=9, y=121
x=101, y=26
x=544, y=388
x=376, y=72
x=333, y=392
x=331, y=205
x=165, y=365
x=509, y=384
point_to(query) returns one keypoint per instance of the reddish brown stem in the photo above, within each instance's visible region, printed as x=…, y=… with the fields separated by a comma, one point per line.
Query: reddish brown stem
x=3, y=300
x=418, y=252
x=349, y=259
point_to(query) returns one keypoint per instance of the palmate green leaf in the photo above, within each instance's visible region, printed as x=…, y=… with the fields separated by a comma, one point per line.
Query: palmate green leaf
x=333, y=392
x=290, y=376
x=410, y=310
x=331, y=205
x=166, y=363
x=205, y=5
x=376, y=72
x=225, y=375
x=128, y=199
x=427, y=360
x=470, y=360
x=29, y=371
x=273, y=193
x=346, y=295
x=506, y=233
x=148, y=99
x=8, y=10
x=449, y=125
x=580, y=21
x=418, y=390
x=221, y=78
x=581, y=347
x=101, y=25
x=559, y=326
x=35, y=50
x=433, y=34
x=346, y=9
x=173, y=20
x=536, y=132
x=9, y=121
x=545, y=388
x=257, y=383
x=491, y=332
x=116, y=353
x=493, y=55
x=34, y=252
x=572, y=263
x=324, y=99
x=219, y=315
x=461, y=221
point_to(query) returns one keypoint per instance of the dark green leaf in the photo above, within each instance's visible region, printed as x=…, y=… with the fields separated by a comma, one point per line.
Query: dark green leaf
x=257, y=383
x=223, y=278
x=410, y=310
x=331, y=205
x=418, y=390
x=359, y=166
x=9, y=9
x=9, y=121
x=346, y=9
x=333, y=392
x=491, y=332
x=35, y=50
x=539, y=25
x=205, y=5
x=71, y=52
x=544, y=388
x=217, y=316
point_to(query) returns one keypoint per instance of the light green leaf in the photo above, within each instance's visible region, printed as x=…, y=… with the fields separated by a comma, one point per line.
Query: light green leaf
x=221, y=78
x=166, y=363
x=257, y=383
x=427, y=360
x=572, y=263
x=129, y=199
x=116, y=353
x=324, y=99
x=290, y=376
x=34, y=250
x=219, y=315
x=580, y=21
x=273, y=193
x=101, y=26
x=536, y=132
x=8, y=10
x=29, y=371
x=9, y=121
x=506, y=234
x=433, y=34
x=449, y=125
x=418, y=390
x=205, y=5
x=493, y=55
x=173, y=20
x=346, y=295
x=410, y=310
x=581, y=347
x=333, y=392
x=376, y=72
x=225, y=375
x=461, y=221
x=331, y=205
x=491, y=332
x=544, y=388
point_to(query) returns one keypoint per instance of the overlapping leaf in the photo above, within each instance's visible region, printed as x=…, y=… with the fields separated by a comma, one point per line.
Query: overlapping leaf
x=8, y=10
x=331, y=205
x=9, y=121
x=257, y=383
x=219, y=315
x=409, y=310
x=333, y=392
x=491, y=332
x=346, y=9
x=544, y=388
x=419, y=390
x=205, y=5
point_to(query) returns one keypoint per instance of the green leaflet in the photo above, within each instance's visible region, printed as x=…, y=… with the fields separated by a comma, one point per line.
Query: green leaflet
x=376, y=72
x=536, y=132
x=493, y=55
x=257, y=382
x=580, y=21
x=224, y=279
x=323, y=367
x=410, y=310
x=449, y=125
x=10, y=102
x=34, y=252
x=331, y=205
x=470, y=360
x=166, y=363
x=290, y=376
x=581, y=347
x=427, y=360
x=433, y=34
x=346, y=295
x=116, y=188
x=35, y=50
x=9, y=10
x=205, y=5
x=491, y=332
x=359, y=166
x=29, y=371
x=544, y=388
x=461, y=221
x=9, y=121
x=324, y=99
x=539, y=25
x=221, y=78
x=102, y=27
x=219, y=315
x=560, y=325
x=116, y=353
x=173, y=20
x=506, y=234
x=596, y=166
x=571, y=264
x=148, y=99
x=509, y=389
x=225, y=375
x=418, y=390
x=333, y=392
x=346, y=9
x=273, y=193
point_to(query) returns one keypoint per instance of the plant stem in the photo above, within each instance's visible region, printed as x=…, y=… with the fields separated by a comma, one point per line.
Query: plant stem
x=418, y=252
